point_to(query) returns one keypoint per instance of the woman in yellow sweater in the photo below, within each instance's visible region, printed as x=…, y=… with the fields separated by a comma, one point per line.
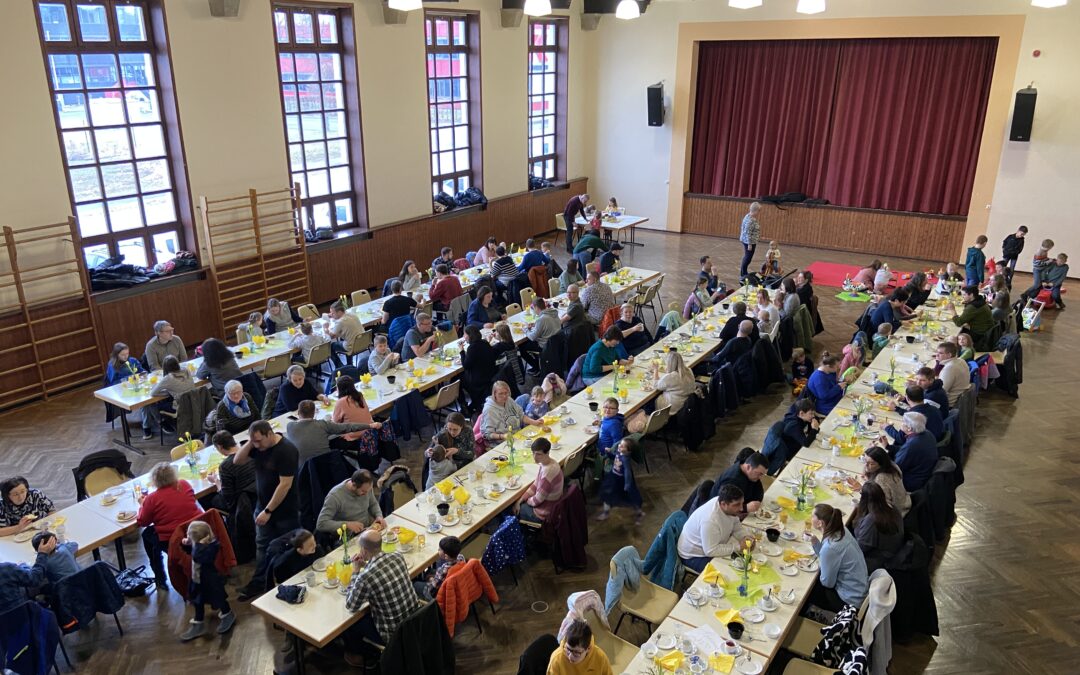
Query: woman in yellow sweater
x=578, y=654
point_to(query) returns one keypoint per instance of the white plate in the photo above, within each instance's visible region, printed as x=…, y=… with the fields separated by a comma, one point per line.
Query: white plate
x=768, y=608
x=760, y=558
x=665, y=641
x=770, y=549
x=772, y=630
x=789, y=570
x=492, y=469
x=803, y=549
x=808, y=565
x=130, y=516
x=752, y=614
x=499, y=489
x=319, y=565
x=764, y=514
x=748, y=667
x=450, y=521
x=25, y=535
x=329, y=584
x=788, y=534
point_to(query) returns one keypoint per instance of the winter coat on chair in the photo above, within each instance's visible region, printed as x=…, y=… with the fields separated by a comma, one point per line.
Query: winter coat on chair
x=78, y=598
x=662, y=561
x=505, y=548
x=626, y=566
x=566, y=530
x=180, y=560
x=423, y=627
x=464, y=585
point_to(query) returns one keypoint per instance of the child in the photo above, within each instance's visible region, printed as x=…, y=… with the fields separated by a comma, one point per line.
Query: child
x=254, y=325
x=381, y=358
x=611, y=430
x=967, y=347
x=975, y=263
x=304, y=340
x=771, y=266
x=765, y=324
x=612, y=205
x=61, y=561
x=881, y=338
x=449, y=555
x=618, y=486
x=949, y=279
x=534, y=404
x=1054, y=276
x=801, y=367
x=853, y=356
x=553, y=267
x=1011, y=248
x=1040, y=264
x=207, y=585
x=302, y=550
x=882, y=278
x=440, y=467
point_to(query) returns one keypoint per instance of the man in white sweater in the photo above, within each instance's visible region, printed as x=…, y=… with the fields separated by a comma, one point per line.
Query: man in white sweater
x=955, y=374
x=713, y=530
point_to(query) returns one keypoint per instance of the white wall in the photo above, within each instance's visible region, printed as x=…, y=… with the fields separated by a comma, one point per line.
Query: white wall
x=631, y=160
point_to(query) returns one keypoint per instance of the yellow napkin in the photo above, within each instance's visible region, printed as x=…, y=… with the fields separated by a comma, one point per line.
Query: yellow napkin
x=697, y=338
x=785, y=502
x=709, y=326
x=445, y=486
x=671, y=661
x=711, y=575
x=726, y=616
x=405, y=535
x=430, y=370
x=812, y=467
x=793, y=556
x=722, y=663
x=461, y=495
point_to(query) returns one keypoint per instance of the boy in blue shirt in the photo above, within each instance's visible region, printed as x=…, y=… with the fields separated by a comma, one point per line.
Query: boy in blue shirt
x=61, y=561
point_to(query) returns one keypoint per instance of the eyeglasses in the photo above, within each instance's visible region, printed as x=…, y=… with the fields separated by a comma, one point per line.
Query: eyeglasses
x=576, y=653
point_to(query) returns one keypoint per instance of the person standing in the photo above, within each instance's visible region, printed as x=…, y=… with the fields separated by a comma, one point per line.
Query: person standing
x=574, y=208
x=749, y=233
x=1011, y=248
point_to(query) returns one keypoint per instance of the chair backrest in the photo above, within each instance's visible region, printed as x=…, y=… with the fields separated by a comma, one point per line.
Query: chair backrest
x=459, y=306
x=560, y=224
x=114, y=469
x=527, y=296
x=179, y=451
x=276, y=365
x=448, y=394
x=361, y=342
x=554, y=287
x=513, y=308
x=308, y=312
x=319, y=354
x=360, y=297
x=658, y=420
x=403, y=494
x=241, y=334
x=573, y=463
x=100, y=480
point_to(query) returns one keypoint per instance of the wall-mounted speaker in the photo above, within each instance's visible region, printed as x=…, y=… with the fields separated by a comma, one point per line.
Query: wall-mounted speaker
x=1023, y=115
x=225, y=8
x=655, y=93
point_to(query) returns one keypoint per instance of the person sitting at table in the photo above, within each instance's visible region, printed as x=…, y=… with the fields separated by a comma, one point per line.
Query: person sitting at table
x=61, y=561
x=976, y=316
x=933, y=390
x=914, y=400
x=597, y=298
x=446, y=257
x=352, y=408
x=236, y=410
x=481, y=312
x=427, y=586
x=312, y=436
x=546, y=325
x=731, y=327
x=17, y=581
x=802, y=367
x=579, y=654
x=603, y=357
x=381, y=359
x=486, y=254
x=676, y=385
x=966, y=346
x=534, y=403
x=352, y=503
x=952, y=278
x=122, y=365
x=698, y=299
x=218, y=366
x=764, y=321
x=502, y=341
x=410, y=277
x=171, y=504
x=231, y=479
x=765, y=304
x=294, y=389
x=446, y=288
x=881, y=338
x=575, y=313
x=799, y=429
x=304, y=341
x=792, y=300
x=804, y=282
x=736, y=346
x=635, y=335
x=714, y=530
x=864, y=278
x=570, y=276
x=397, y=304
x=824, y=386
x=880, y=469
x=164, y=343
x=456, y=437
x=997, y=292
x=503, y=269
x=918, y=289
x=174, y=381
x=955, y=375
x=843, y=579
x=533, y=257
x=609, y=261
x=746, y=472
x=913, y=448
x=253, y=326
x=854, y=356
x=712, y=281
x=878, y=527
x=279, y=316
x=535, y=505
x=380, y=582
x=420, y=339
x=501, y=415
x=478, y=363
x=21, y=505
x=440, y=467
x=302, y=549
x=344, y=328
x=888, y=311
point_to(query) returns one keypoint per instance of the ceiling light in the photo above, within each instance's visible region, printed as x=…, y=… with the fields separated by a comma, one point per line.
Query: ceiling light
x=627, y=9
x=537, y=7
x=405, y=5
x=744, y=4
x=1048, y=4
x=810, y=6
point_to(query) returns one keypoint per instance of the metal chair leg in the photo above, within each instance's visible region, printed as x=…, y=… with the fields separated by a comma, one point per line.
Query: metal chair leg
x=619, y=625
x=476, y=617
x=513, y=575
x=63, y=650
x=118, y=626
x=492, y=606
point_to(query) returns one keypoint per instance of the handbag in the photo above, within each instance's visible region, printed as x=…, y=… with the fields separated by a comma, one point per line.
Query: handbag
x=132, y=582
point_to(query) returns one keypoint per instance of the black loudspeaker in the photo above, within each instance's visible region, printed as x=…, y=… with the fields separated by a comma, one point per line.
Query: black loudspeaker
x=1023, y=115
x=656, y=104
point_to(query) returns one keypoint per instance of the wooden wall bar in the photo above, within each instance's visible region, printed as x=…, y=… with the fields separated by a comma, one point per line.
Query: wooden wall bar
x=876, y=233
x=342, y=268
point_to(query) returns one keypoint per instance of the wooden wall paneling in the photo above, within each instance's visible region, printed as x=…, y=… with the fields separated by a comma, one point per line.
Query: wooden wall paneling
x=875, y=233
x=345, y=267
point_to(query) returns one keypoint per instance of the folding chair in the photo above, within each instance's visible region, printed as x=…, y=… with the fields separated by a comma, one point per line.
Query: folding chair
x=446, y=397
x=308, y=312
x=527, y=296
x=360, y=297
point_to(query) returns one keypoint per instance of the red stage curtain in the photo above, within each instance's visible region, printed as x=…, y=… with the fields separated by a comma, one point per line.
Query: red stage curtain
x=907, y=123
x=762, y=116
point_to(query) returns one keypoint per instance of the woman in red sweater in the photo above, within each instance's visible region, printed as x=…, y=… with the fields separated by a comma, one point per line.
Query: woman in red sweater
x=172, y=503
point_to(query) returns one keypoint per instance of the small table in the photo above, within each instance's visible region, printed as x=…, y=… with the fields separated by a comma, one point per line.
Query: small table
x=622, y=223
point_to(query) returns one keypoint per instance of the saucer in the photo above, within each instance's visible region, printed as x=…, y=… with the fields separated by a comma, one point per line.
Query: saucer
x=770, y=549
x=748, y=667
x=789, y=570
x=788, y=534
x=434, y=527
x=752, y=614
x=450, y=521
x=772, y=631
x=331, y=583
x=787, y=597
x=808, y=565
x=734, y=650
x=319, y=565
x=125, y=516
x=665, y=641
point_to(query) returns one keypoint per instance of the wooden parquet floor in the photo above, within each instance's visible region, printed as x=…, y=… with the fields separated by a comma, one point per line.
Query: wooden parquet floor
x=1007, y=584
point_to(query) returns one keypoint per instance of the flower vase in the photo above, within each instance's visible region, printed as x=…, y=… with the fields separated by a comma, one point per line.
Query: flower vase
x=191, y=460
x=800, y=502
x=345, y=560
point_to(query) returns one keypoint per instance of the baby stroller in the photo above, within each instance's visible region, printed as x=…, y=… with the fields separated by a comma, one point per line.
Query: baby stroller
x=1031, y=315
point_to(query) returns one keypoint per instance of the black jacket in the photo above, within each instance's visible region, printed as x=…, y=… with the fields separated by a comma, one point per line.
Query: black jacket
x=1011, y=247
x=731, y=328
x=797, y=434
x=426, y=627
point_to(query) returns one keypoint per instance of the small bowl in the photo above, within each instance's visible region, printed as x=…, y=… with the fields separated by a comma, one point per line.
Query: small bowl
x=910, y=339
x=735, y=630
x=772, y=534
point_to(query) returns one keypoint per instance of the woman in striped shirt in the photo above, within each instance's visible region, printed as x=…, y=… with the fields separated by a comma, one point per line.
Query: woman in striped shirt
x=535, y=504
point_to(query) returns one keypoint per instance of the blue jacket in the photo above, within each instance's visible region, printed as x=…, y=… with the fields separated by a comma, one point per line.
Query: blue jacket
x=81, y=596
x=975, y=265
x=916, y=458
x=112, y=376
x=506, y=547
x=477, y=315
x=611, y=432
x=826, y=390
x=662, y=561
x=627, y=574
x=883, y=313
x=534, y=258
x=935, y=421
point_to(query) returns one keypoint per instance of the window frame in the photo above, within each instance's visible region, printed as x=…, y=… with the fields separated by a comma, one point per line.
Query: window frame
x=562, y=62
x=346, y=49
x=471, y=49
x=156, y=45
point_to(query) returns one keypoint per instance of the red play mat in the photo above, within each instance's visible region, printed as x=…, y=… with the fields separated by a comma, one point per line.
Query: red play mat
x=832, y=274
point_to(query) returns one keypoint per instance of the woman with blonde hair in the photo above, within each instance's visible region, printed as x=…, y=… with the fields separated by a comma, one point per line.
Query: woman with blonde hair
x=171, y=504
x=677, y=383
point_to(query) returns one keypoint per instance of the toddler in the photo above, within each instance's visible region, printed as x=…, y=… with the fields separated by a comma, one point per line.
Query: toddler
x=881, y=338
x=207, y=585
x=440, y=467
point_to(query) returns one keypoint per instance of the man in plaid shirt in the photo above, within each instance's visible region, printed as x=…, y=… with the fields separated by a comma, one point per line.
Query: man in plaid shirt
x=381, y=580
